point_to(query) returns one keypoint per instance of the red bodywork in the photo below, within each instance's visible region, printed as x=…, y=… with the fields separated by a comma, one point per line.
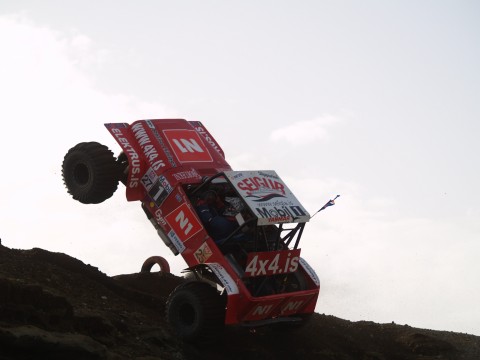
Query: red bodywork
x=165, y=158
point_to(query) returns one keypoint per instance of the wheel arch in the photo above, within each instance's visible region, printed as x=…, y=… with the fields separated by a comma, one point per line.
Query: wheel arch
x=215, y=275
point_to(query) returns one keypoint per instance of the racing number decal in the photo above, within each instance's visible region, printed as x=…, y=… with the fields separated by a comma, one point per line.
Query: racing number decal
x=188, y=146
x=184, y=222
x=271, y=263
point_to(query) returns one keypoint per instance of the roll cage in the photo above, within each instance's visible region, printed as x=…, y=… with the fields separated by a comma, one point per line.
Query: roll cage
x=264, y=237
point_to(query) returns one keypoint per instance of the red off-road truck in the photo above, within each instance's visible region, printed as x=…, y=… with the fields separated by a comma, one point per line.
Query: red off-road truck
x=238, y=231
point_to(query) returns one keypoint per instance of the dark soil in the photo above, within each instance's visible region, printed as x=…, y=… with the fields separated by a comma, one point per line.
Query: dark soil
x=53, y=306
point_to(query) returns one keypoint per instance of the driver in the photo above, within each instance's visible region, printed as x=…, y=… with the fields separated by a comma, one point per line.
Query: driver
x=213, y=214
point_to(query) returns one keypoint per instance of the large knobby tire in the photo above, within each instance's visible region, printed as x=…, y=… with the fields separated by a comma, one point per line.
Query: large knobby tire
x=295, y=281
x=196, y=312
x=90, y=172
x=277, y=284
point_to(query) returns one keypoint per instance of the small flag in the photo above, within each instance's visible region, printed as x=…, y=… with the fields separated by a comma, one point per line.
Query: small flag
x=329, y=203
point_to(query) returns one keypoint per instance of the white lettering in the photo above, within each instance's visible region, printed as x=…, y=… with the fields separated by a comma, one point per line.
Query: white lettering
x=185, y=224
x=188, y=145
x=203, y=132
x=184, y=175
x=262, y=310
x=146, y=144
x=134, y=161
x=292, y=306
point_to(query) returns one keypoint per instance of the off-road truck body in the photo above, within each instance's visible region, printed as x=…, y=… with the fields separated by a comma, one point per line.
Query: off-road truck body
x=254, y=275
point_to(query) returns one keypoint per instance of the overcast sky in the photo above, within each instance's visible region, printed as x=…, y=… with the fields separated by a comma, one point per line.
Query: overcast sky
x=378, y=101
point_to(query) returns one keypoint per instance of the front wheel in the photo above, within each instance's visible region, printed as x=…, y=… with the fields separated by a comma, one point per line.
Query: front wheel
x=90, y=172
x=196, y=311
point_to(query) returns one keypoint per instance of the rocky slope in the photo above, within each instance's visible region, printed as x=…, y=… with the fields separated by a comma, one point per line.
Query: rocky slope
x=53, y=306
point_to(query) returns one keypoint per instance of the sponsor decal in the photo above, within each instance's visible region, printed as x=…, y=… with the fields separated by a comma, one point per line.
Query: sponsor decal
x=262, y=310
x=237, y=176
x=165, y=149
x=262, y=188
x=276, y=307
x=279, y=219
x=166, y=185
x=268, y=197
x=280, y=214
x=187, y=146
x=134, y=160
x=292, y=306
x=309, y=270
x=184, y=222
x=159, y=217
x=149, y=179
x=176, y=241
x=147, y=146
x=157, y=189
x=224, y=278
x=203, y=253
x=269, y=175
x=206, y=135
x=187, y=175
x=272, y=263
x=158, y=193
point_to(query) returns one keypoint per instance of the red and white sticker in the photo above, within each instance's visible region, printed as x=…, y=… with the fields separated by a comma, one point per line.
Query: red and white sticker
x=203, y=253
x=272, y=262
x=188, y=146
x=184, y=222
x=225, y=278
x=309, y=270
x=262, y=310
x=294, y=304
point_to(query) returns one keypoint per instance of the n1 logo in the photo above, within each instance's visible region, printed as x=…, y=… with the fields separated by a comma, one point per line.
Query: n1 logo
x=188, y=146
x=292, y=307
x=295, y=304
x=184, y=222
x=262, y=310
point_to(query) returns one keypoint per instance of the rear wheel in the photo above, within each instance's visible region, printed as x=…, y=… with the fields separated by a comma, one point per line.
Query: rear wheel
x=196, y=312
x=286, y=283
x=277, y=284
x=90, y=172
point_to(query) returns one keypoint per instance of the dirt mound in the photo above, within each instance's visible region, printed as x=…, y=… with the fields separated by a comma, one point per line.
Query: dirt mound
x=54, y=306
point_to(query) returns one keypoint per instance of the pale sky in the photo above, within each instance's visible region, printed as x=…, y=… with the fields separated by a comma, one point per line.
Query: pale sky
x=378, y=101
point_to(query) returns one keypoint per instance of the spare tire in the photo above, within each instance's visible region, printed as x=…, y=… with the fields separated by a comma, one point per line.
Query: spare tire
x=196, y=312
x=90, y=172
x=155, y=260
